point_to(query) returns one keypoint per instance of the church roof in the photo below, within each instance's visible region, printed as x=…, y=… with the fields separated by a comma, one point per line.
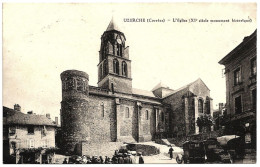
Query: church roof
x=186, y=86
x=143, y=92
x=160, y=85
x=112, y=26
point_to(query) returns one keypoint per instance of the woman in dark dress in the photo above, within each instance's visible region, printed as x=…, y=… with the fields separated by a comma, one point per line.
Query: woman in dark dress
x=170, y=152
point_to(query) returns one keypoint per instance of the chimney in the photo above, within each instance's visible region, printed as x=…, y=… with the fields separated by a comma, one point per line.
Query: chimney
x=48, y=116
x=17, y=107
x=56, y=120
x=30, y=112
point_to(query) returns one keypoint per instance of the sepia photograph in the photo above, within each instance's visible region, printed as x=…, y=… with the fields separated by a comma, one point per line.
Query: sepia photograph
x=129, y=83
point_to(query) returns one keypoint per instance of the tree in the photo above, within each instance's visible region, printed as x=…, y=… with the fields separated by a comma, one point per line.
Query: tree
x=205, y=121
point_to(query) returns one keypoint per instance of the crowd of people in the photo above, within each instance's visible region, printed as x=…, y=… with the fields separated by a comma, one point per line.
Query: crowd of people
x=117, y=158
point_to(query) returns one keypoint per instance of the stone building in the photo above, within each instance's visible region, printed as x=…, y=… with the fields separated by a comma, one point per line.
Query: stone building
x=114, y=112
x=240, y=73
x=27, y=138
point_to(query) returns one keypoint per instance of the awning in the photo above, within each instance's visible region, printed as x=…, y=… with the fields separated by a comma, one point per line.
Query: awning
x=224, y=139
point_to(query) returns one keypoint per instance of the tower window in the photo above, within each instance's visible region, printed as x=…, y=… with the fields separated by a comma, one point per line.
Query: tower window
x=124, y=68
x=80, y=85
x=70, y=84
x=119, y=49
x=200, y=106
x=147, y=114
x=105, y=68
x=116, y=66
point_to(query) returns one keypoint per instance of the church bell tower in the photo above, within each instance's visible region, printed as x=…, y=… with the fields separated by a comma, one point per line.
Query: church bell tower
x=114, y=68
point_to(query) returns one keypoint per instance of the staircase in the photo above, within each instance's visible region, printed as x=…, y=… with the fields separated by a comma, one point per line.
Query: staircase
x=164, y=142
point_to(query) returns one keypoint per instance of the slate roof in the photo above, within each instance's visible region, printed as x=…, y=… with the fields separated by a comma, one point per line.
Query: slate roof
x=19, y=118
x=160, y=85
x=186, y=86
x=112, y=26
x=143, y=92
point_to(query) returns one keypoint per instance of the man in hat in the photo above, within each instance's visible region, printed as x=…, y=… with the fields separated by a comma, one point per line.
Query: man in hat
x=170, y=152
x=115, y=159
x=141, y=160
x=120, y=158
x=65, y=161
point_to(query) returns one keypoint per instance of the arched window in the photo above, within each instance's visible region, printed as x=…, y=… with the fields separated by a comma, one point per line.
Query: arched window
x=200, y=106
x=70, y=84
x=147, y=114
x=162, y=116
x=208, y=107
x=104, y=52
x=124, y=68
x=80, y=85
x=116, y=66
x=119, y=49
x=105, y=68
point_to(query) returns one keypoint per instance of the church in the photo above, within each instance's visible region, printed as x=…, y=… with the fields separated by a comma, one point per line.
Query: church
x=115, y=112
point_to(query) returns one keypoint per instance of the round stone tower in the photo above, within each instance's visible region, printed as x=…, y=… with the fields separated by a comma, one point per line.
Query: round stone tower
x=74, y=107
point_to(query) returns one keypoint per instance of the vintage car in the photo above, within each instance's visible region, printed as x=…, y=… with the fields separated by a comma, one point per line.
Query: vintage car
x=193, y=152
x=208, y=151
x=215, y=152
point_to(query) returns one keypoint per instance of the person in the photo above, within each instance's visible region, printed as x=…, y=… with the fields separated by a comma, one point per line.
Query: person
x=132, y=159
x=129, y=159
x=120, y=159
x=84, y=159
x=106, y=159
x=65, y=161
x=170, y=152
x=125, y=158
x=101, y=160
x=109, y=161
x=115, y=159
x=94, y=160
x=116, y=152
x=141, y=160
x=89, y=161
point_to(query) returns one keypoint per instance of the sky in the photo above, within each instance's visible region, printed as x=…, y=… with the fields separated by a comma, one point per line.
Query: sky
x=40, y=41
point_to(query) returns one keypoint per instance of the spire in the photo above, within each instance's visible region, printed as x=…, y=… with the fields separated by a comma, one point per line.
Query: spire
x=112, y=26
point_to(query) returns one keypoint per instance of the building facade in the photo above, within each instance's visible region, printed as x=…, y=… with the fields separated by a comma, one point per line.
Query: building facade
x=115, y=112
x=27, y=138
x=240, y=72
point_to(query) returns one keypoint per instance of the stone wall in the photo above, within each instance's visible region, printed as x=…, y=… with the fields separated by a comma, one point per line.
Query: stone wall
x=22, y=138
x=100, y=149
x=178, y=116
